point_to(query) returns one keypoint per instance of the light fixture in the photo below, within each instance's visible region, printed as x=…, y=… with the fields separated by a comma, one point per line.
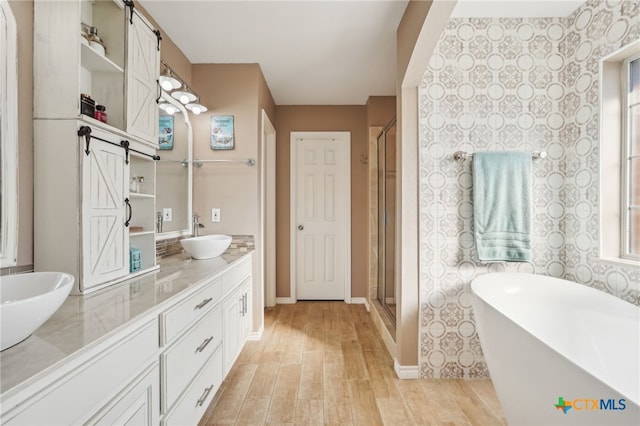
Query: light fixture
x=171, y=82
x=184, y=96
x=196, y=107
x=167, y=79
x=168, y=108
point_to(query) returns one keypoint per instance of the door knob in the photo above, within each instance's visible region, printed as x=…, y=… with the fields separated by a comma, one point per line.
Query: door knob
x=300, y=227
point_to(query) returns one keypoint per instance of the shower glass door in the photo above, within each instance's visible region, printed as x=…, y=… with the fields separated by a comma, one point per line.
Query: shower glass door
x=386, y=219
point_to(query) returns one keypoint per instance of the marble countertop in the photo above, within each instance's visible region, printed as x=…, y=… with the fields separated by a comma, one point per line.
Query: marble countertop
x=83, y=321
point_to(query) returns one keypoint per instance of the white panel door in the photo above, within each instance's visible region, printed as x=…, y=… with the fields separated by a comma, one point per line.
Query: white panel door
x=321, y=217
x=143, y=65
x=105, y=239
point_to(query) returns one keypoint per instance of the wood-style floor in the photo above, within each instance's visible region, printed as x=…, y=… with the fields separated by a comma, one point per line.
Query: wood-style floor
x=324, y=363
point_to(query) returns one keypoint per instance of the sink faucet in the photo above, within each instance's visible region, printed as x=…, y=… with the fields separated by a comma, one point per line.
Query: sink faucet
x=196, y=225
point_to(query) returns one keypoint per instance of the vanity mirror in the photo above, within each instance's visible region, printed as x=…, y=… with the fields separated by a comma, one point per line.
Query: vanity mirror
x=174, y=170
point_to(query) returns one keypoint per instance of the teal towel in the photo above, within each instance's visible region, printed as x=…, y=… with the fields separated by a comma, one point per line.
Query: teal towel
x=502, y=206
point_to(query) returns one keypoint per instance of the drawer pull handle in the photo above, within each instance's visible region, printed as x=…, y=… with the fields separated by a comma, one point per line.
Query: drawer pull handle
x=203, y=303
x=204, y=396
x=204, y=344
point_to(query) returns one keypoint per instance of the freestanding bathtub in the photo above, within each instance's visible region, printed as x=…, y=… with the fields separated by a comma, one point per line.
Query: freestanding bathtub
x=558, y=352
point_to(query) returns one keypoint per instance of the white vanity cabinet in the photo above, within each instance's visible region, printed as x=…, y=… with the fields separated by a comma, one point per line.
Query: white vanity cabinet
x=237, y=319
x=152, y=356
x=116, y=382
x=196, y=335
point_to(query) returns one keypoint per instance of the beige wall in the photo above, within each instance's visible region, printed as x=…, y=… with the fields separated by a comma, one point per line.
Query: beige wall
x=238, y=90
x=23, y=12
x=380, y=110
x=227, y=90
x=323, y=118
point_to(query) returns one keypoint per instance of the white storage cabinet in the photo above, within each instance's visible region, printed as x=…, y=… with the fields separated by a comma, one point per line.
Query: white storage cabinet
x=86, y=218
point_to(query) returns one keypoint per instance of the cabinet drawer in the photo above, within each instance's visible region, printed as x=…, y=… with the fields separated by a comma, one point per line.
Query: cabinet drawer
x=194, y=402
x=174, y=320
x=77, y=396
x=234, y=276
x=182, y=360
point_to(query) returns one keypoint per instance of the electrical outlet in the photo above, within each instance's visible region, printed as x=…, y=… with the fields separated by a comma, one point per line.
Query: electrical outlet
x=167, y=214
x=215, y=215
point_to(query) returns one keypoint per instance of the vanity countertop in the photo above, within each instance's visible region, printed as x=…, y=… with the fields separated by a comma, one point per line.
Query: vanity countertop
x=83, y=321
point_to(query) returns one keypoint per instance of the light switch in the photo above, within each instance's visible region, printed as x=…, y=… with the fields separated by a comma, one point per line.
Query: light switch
x=215, y=215
x=167, y=214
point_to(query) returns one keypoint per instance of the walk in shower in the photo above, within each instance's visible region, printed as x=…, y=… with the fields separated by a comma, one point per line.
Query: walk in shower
x=386, y=289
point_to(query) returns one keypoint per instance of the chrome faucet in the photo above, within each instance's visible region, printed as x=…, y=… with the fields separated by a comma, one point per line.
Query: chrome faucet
x=159, y=222
x=196, y=225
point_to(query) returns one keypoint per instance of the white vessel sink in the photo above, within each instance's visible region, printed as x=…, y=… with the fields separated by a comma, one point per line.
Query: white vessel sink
x=27, y=301
x=207, y=246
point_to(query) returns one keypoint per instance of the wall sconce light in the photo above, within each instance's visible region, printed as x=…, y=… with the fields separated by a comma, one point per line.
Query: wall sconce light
x=167, y=80
x=196, y=107
x=184, y=96
x=168, y=108
x=170, y=82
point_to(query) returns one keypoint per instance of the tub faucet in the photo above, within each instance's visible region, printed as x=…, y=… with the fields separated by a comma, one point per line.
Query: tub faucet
x=196, y=225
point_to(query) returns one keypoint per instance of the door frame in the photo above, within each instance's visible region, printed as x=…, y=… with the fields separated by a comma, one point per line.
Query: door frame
x=345, y=138
x=268, y=210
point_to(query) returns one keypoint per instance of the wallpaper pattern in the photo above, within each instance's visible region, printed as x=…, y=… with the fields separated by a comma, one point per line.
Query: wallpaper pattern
x=512, y=84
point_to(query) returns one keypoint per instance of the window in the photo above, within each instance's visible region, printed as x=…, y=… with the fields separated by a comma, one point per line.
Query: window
x=620, y=156
x=631, y=160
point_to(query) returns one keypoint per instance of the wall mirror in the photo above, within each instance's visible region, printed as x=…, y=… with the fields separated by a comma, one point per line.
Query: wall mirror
x=174, y=175
x=8, y=138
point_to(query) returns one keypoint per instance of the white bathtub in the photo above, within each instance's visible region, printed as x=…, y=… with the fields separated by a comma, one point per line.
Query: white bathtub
x=545, y=338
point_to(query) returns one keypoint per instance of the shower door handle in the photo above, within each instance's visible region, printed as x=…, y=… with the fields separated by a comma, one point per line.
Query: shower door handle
x=300, y=227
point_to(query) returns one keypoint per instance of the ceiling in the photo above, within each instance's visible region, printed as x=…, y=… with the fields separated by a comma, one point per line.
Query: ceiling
x=313, y=52
x=310, y=52
x=515, y=8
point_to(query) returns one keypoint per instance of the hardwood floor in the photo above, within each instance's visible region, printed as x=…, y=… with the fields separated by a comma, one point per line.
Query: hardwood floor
x=324, y=363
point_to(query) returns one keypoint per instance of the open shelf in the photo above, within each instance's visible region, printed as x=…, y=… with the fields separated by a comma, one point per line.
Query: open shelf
x=140, y=195
x=94, y=61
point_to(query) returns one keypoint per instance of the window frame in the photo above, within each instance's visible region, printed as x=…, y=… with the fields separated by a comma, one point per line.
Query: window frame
x=626, y=183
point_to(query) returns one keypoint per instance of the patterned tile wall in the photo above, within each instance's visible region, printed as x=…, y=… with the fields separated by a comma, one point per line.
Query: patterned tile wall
x=511, y=84
x=594, y=32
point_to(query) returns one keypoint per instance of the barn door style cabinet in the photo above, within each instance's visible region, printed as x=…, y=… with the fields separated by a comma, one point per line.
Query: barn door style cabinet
x=95, y=178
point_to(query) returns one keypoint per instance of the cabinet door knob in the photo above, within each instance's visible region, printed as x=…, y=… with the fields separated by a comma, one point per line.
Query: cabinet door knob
x=300, y=227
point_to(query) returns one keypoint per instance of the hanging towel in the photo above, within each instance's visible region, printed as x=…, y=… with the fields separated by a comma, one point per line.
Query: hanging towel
x=502, y=206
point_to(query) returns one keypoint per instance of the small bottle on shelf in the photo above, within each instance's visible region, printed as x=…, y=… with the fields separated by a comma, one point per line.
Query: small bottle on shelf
x=133, y=185
x=101, y=113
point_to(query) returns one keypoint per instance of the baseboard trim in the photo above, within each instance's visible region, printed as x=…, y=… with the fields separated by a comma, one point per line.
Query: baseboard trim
x=256, y=335
x=284, y=301
x=361, y=301
x=405, y=372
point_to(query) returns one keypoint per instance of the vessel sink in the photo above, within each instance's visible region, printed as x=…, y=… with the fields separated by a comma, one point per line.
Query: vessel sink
x=207, y=246
x=27, y=301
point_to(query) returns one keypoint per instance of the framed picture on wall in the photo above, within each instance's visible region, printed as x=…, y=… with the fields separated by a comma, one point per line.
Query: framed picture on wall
x=222, y=132
x=165, y=132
